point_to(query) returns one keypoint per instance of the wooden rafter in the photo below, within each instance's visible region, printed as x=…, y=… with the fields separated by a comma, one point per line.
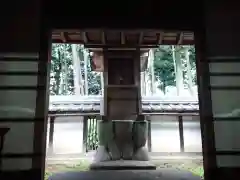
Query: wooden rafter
x=141, y=38
x=84, y=36
x=160, y=37
x=102, y=38
x=63, y=37
x=122, y=37
x=180, y=38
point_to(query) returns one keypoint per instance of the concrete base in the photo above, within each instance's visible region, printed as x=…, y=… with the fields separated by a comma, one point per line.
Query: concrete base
x=123, y=165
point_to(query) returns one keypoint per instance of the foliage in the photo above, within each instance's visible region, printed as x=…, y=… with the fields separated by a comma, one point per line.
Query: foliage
x=164, y=71
x=62, y=80
x=164, y=67
x=62, y=58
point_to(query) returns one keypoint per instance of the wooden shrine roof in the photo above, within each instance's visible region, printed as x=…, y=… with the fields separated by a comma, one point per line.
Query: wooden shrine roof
x=95, y=38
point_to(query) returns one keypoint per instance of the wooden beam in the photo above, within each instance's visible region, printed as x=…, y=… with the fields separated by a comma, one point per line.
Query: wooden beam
x=103, y=36
x=63, y=37
x=180, y=37
x=159, y=34
x=165, y=42
x=141, y=38
x=138, y=30
x=84, y=36
x=120, y=46
x=160, y=37
x=122, y=38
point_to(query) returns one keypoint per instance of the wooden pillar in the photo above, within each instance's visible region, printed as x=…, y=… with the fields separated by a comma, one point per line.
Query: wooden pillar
x=85, y=133
x=51, y=134
x=149, y=141
x=218, y=77
x=181, y=136
x=22, y=36
x=3, y=132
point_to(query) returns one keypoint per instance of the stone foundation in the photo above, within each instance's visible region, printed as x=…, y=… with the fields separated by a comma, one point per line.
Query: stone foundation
x=122, y=140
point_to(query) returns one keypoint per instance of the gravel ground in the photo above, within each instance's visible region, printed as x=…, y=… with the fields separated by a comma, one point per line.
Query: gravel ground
x=166, y=169
x=160, y=174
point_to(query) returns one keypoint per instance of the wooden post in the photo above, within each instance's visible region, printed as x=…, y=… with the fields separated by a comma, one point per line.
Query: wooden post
x=181, y=136
x=3, y=132
x=51, y=133
x=85, y=133
x=149, y=141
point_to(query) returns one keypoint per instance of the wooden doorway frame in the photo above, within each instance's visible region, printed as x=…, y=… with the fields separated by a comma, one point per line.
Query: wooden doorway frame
x=205, y=106
x=42, y=104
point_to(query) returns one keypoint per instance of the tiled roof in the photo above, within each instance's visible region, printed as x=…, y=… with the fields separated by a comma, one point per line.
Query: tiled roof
x=92, y=104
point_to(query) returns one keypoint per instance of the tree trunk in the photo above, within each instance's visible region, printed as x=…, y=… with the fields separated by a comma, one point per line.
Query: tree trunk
x=77, y=71
x=85, y=56
x=146, y=81
x=143, y=84
x=178, y=69
x=174, y=60
x=65, y=77
x=102, y=83
x=152, y=72
x=62, y=74
x=189, y=74
x=164, y=87
x=58, y=74
x=151, y=69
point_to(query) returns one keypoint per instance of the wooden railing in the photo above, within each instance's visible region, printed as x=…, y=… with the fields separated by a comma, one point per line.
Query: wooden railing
x=90, y=136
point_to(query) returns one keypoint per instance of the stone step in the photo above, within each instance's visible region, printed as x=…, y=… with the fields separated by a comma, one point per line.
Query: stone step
x=123, y=165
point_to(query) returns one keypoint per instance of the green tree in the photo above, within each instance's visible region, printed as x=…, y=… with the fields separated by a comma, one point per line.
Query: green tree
x=164, y=67
x=61, y=70
x=61, y=76
x=62, y=80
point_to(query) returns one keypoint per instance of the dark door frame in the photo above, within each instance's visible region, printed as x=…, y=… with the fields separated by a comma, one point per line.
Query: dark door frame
x=206, y=117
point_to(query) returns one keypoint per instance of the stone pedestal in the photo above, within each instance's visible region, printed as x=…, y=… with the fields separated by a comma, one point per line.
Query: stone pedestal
x=122, y=142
